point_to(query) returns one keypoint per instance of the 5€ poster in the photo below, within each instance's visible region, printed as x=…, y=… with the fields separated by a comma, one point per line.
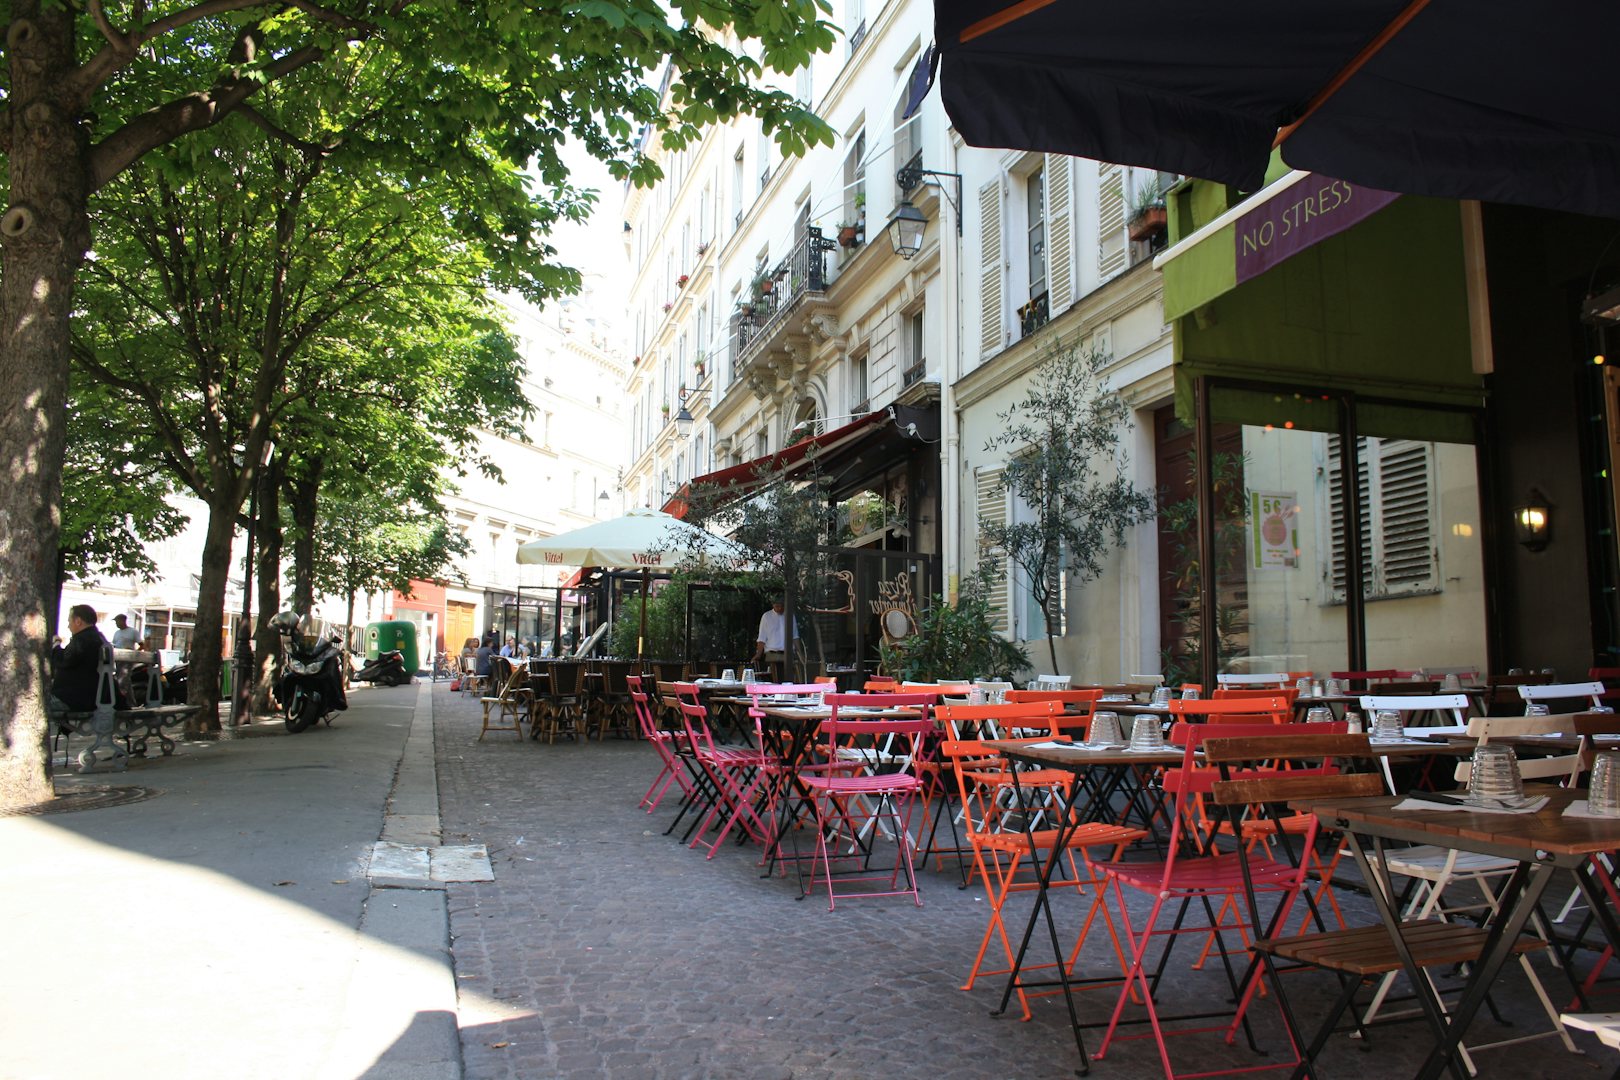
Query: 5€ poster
x=1273, y=530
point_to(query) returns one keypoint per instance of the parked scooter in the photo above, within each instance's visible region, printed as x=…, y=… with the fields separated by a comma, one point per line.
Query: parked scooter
x=388, y=669
x=310, y=684
x=174, y=683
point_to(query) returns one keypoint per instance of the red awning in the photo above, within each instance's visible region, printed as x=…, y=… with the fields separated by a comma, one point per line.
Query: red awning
x=788, y=460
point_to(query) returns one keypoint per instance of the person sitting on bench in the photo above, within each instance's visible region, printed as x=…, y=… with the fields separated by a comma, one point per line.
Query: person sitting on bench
x=75, y=665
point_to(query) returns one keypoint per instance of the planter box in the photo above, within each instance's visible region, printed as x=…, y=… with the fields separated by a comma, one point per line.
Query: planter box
x=1150, y=223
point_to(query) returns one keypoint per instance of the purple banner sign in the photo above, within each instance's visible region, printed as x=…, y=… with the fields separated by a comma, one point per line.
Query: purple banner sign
x=1311, y=210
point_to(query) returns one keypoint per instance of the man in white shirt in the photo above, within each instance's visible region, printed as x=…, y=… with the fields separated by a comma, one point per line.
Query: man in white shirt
x=125, y=636
x=771, y=642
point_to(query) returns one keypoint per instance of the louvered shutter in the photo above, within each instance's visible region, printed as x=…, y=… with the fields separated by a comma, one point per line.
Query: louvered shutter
x=1059, y=234
x=1394, y=479
x=1058, y=597
x=1406, y=562
x=1338, y=568
x=990, y=269
x=1110, y=219
x=992, y=510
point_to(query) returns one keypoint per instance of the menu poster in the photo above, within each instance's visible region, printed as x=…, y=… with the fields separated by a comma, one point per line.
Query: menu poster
x=1273, y=530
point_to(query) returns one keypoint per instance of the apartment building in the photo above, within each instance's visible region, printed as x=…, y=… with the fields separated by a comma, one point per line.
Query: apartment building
x=883, y=300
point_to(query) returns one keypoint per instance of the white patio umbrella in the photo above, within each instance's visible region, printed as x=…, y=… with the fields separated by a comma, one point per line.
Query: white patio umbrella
x=642, y=539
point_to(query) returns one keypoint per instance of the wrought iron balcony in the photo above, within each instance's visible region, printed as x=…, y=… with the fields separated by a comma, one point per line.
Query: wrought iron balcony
x=778, y=294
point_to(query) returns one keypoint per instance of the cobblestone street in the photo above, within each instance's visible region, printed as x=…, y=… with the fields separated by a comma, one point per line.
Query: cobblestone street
x=615, y=951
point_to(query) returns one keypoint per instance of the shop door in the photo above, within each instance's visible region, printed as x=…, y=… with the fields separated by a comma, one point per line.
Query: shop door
x=458, y=625
x=1178, y=544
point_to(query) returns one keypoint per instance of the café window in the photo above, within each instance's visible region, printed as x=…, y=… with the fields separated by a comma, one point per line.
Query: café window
x=169, y=628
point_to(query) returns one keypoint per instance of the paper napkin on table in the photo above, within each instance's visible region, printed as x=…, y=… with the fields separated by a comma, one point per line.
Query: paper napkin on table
x=1582, y=809
x=1423, y=804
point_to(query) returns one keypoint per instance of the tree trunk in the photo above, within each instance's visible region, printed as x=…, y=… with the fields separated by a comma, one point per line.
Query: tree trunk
x=44, y=233
x=302, y=494
x=267, y=533
x=1051, y=639
x=207, y=652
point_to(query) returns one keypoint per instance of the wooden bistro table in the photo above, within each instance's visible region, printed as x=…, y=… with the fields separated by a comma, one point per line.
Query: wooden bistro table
x=1099, y=776
x=1542, y=844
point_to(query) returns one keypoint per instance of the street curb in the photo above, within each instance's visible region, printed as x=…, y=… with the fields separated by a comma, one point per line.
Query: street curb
x=413, y=914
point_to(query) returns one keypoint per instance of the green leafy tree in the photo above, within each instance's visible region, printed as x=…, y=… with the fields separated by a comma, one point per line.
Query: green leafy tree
x=93, y=90
x=956, y=641
x=282, y=292
x=115, y=496
x=1183, y=661
x=375, y=543
x=1065, y=462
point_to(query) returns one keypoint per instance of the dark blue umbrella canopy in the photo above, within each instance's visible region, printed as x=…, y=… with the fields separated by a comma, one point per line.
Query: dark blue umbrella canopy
x=1470, y=99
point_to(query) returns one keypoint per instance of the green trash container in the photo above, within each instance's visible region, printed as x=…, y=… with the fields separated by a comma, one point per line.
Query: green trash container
x=394, y=634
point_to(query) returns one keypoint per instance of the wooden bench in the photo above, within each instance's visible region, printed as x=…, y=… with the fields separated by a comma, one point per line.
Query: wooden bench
x=136, y=725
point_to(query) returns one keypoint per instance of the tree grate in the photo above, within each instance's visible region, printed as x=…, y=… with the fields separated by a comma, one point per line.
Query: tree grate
x=84, y=798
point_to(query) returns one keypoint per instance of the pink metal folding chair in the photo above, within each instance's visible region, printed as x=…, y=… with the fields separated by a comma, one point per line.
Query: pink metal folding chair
x=886, y=795
x=1194, y=872
x=734, y=773
x=664, y=744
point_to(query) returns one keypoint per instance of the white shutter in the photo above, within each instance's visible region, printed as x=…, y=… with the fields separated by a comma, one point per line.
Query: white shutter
x=1404, y=482
x=1059, y=235
x=990, y=271
x=992, y=510
x=1338, y=572
x=1394, y=478
x=1110, y=219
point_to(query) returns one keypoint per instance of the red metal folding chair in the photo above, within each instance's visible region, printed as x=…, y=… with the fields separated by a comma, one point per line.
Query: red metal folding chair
x=886, y=795
x=664, y=744
x=1196, y=872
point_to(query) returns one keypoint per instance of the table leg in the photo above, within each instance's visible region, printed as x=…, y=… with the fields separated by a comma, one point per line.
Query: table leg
x=1382, y=891
x=1043, y=908
x=1523, y=893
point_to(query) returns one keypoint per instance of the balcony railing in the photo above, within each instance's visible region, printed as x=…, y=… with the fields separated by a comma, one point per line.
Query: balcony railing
x=858, y=36
x=1033, y=315
x=803, y=271
x=913, y=374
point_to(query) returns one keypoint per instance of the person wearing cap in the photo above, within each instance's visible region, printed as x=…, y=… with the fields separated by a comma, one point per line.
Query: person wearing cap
x=126, y=636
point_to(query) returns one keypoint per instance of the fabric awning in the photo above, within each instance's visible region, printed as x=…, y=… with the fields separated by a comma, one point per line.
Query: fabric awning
x=749, y=475
x=1471, y=99
x=1285, y=218
x=1373, y=302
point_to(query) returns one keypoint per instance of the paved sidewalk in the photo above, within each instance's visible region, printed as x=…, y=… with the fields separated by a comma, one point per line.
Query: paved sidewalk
x=606, y=949
x=227, y=926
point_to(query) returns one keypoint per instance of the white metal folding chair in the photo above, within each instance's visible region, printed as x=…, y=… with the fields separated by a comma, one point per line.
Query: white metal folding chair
x=1569, y=691
x=1436, y=868
x=1265, y=680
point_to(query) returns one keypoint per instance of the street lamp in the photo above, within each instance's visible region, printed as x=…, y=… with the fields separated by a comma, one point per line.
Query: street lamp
x=242, y=655
x=906, y=226
x=906, y=230
x=684, y=418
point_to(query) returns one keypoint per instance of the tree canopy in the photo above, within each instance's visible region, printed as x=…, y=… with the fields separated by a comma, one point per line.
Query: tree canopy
x=487, y=93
